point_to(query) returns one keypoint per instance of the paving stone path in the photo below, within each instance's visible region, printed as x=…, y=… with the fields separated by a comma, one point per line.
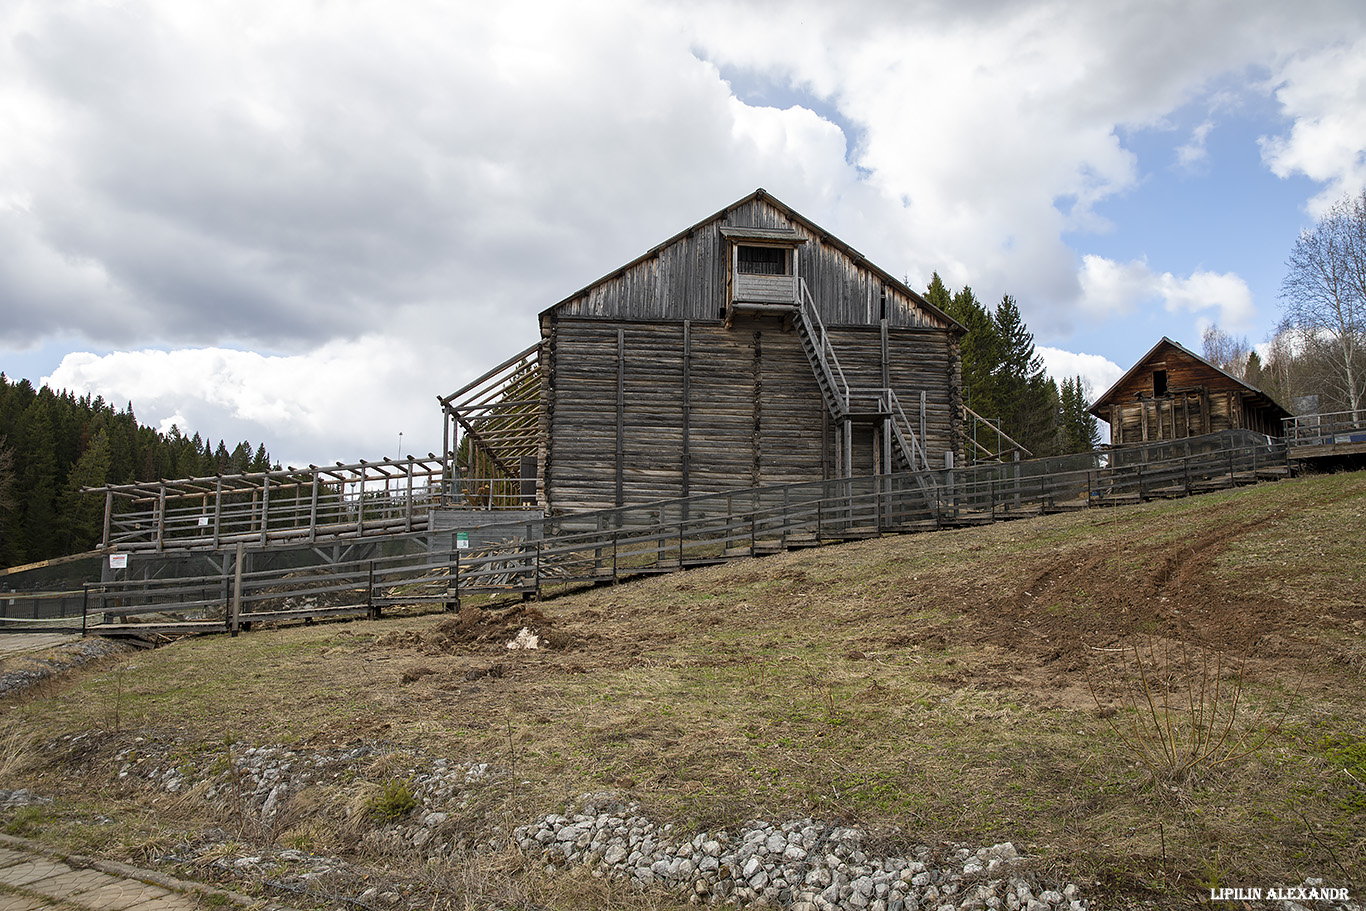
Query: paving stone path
x=32, y=879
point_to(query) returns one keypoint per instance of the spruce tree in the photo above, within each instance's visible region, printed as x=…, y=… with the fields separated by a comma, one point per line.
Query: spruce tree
x=38, y=479
x=80, y=516
x=1027, y=398
x=980, y=350
x=8, y=505
x=1079, y=430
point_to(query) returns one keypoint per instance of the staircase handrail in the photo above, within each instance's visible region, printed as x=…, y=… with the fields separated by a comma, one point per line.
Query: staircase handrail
x=914, y=450
x=825, y=351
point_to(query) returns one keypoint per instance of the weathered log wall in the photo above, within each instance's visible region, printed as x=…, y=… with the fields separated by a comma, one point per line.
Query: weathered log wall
x=1195, y=398
x=637, y=411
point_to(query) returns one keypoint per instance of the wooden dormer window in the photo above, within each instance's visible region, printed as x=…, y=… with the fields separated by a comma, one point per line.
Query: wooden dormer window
x=763, y=267
x=763, y=260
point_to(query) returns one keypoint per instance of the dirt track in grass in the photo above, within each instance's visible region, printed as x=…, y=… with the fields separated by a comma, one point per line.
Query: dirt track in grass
x=939, y=686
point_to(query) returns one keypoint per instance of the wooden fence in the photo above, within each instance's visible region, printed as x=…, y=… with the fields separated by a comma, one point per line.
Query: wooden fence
x=614, y=544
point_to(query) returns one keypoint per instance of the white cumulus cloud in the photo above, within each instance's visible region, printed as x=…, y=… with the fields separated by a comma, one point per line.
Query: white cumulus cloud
x=330, y=404
x=1323, y=91
x=1115, y=289
x=1098, y=372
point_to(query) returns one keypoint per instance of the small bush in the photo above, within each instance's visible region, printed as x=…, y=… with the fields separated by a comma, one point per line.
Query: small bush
x=394, y=800
x=1181, y=709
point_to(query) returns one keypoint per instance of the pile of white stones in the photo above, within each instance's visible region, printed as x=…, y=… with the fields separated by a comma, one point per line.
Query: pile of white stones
x=801, y=865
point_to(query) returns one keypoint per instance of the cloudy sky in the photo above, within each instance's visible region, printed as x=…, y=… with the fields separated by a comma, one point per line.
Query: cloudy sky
x=300, y=222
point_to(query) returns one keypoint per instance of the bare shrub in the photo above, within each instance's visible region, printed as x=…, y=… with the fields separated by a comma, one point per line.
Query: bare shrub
x=1180, y=707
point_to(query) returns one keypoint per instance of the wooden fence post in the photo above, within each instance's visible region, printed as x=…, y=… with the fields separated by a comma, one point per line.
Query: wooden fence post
x=235, y=609
x=536, y=570
x=108, y=516
x=370, y=591
x=455, y=579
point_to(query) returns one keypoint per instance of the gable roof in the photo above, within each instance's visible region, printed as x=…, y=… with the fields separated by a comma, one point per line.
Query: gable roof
x=772, y=234
x=1111, y=394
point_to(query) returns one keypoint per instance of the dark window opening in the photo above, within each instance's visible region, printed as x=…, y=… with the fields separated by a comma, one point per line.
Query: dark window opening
x=1159, y=382
x=763, y=261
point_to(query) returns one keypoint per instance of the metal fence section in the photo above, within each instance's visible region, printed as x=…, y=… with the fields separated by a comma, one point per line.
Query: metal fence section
x=47, y=597
x=1341, y=428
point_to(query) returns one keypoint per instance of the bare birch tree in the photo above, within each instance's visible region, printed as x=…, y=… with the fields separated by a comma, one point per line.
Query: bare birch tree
x=1324, y=293
x=1225, y=351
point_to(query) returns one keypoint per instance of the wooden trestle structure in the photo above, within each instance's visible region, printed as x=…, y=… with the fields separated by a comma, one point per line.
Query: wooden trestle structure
x=490, y=435
x=274, y=508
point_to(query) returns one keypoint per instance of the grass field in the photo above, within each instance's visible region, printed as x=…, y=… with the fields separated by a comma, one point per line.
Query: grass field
x=1152, y=700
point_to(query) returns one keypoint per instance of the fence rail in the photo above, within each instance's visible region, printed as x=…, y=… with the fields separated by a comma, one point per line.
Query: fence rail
x=1326, y=429
x=611, y=544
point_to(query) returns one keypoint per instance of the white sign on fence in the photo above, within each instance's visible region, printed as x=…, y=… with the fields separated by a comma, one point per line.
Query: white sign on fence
x=118, y=561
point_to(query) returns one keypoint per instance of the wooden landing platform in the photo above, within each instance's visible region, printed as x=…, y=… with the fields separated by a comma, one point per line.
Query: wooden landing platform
x=1348, y=447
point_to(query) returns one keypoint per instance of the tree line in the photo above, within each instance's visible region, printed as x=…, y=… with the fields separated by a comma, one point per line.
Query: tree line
x=1004, y=380
x=54, y=443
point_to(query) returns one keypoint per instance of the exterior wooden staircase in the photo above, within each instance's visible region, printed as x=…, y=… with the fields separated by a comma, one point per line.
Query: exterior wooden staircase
x=845, y=402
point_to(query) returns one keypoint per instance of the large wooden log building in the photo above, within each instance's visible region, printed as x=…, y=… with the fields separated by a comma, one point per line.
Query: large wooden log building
x=1173, y=393
x=752, y=348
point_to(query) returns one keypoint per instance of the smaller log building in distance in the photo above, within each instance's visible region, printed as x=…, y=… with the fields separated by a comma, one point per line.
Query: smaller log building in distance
x=1173, y=393
x=752, y=348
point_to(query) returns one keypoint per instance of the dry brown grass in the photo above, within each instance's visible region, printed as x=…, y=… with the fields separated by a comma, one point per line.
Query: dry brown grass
x=929, y=688
x=15, y=755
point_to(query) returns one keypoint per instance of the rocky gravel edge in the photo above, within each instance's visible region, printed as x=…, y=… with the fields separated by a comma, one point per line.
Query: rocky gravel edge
x=802, y=864
x=21, y=672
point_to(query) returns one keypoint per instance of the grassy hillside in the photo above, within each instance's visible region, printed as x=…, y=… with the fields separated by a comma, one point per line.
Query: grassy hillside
x=969, y=686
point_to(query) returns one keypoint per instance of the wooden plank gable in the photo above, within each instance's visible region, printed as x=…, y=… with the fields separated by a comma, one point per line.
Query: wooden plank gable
x=685, y=278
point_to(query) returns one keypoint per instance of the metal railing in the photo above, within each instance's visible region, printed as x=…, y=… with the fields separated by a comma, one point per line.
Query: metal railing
x=826, y=358
x=1326, y=429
